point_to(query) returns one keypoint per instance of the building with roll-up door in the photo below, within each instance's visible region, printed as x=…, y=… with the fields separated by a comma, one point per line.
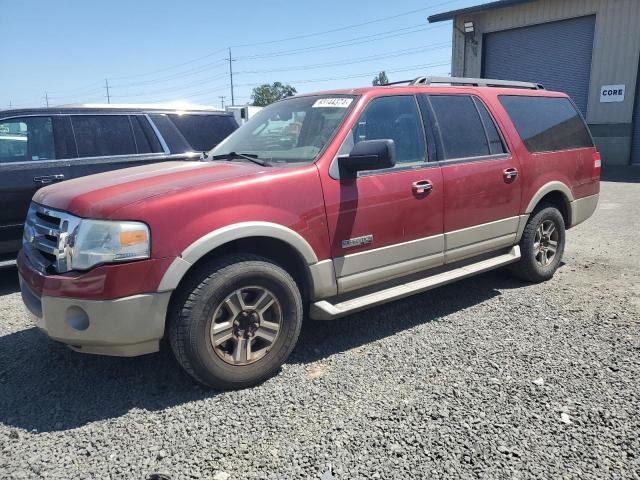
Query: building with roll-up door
x=589, y=49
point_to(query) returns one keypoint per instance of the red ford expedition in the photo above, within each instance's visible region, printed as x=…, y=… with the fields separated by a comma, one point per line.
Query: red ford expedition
x=326, y=203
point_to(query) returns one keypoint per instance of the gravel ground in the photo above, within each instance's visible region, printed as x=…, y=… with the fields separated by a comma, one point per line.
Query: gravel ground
x=486, y=378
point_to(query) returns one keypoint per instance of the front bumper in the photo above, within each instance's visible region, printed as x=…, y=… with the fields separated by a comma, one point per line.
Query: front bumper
x=127, y=326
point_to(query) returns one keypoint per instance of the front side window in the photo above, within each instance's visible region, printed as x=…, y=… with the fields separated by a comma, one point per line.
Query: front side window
x=26, y=139
x=547, y=124
x=290, y=131
x=459, y=129
x=204, y=132
x=103, y=135
x=394, y=118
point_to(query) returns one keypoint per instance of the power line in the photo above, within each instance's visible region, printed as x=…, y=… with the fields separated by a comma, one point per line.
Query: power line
x=170, y=89
x=397, y=53
x=346, y=27
x=346, y=43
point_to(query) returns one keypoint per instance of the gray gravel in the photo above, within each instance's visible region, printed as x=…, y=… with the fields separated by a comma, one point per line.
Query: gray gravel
x=486, y=378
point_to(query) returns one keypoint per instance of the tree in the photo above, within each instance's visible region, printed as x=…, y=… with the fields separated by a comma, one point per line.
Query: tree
x=266, y=94
x=380, y=79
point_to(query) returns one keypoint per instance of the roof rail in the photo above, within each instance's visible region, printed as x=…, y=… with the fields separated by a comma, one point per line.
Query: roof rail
x=475, y=82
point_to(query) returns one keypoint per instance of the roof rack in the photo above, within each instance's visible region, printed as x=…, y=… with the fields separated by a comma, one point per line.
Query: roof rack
x=474, y=82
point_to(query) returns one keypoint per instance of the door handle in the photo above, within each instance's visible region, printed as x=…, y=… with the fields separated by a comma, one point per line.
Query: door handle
x=421, y=187
x=46, y=179
x=509, y=174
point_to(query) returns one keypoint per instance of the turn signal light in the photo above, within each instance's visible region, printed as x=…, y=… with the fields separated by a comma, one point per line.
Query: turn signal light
x=133, y=237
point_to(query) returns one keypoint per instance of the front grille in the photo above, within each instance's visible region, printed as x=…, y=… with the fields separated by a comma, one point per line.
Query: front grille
x=45, y=238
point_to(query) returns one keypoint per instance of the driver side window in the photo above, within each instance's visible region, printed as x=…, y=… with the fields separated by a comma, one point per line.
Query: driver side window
x=395, y=118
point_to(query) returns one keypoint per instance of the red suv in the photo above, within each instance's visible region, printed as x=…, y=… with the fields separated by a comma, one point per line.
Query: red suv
x=320, y=205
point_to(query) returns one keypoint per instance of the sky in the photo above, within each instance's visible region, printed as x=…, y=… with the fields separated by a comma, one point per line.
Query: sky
x=156, y=51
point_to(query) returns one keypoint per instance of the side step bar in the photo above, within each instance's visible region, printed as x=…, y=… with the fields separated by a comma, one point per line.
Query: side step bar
x=323, y=310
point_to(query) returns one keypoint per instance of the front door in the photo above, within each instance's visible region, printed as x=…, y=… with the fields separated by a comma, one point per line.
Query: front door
x=386, y=223
x=33, y=154
x=482, y=179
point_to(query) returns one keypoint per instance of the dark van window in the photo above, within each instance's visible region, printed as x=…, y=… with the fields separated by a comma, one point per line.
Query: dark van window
x=103, y=135
x=204, y=132
x=495, y=141
x=459, y=129
x=146, y=139
x=547, y=124
x=26, y=139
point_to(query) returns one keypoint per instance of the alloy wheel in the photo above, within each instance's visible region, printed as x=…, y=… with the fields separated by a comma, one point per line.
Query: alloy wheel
x=545, y=244
x=246, y=325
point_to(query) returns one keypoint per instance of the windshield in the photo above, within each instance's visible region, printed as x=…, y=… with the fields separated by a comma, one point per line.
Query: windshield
x=292, y=130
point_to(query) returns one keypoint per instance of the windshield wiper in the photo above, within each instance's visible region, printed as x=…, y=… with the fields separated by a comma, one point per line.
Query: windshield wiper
x=246, y=156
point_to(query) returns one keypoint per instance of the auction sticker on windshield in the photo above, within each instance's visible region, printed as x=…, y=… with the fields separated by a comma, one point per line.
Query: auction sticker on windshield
x=333, y=102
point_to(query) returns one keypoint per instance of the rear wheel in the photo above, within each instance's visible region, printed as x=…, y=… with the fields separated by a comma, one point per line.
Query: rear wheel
x=237, y=322
x=541, y=245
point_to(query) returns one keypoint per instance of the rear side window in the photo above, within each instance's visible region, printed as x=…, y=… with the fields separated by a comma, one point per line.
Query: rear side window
x=204, y=132
x=146, y=139
x=496, y=146
x=103, y=135
x=26, y=139
x=547, y=124
x=459, y=129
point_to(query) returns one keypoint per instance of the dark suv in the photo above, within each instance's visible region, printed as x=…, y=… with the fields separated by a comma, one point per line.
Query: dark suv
x=47, y=145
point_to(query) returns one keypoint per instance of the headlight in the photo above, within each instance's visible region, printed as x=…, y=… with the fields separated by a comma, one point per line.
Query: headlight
x=99, y=241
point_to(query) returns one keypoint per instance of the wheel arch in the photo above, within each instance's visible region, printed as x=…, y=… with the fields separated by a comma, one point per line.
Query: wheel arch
x=555, y=192
x=276, y=242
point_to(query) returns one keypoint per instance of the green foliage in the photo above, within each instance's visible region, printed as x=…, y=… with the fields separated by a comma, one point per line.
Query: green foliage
x=380, y=79
x=266, y=94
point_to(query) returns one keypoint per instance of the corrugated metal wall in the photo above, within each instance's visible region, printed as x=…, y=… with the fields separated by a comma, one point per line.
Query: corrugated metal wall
x=615, y=52
x=541, y=53
x=616, y=49
x=635, y=143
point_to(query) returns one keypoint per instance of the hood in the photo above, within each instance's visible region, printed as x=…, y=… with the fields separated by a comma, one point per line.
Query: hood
x=98, y=196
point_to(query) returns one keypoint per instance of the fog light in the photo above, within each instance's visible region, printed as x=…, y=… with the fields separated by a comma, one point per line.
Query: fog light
x=77, y=318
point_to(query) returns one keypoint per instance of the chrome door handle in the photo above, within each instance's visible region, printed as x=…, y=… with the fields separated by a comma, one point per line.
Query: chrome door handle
x=509, y=174
x=46, y=179
x=421, y=187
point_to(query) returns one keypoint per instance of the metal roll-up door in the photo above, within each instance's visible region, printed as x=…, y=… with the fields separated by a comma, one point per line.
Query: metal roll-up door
x=555, y=54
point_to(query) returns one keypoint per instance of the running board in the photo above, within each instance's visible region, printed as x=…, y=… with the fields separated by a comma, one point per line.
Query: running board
x=323, y=310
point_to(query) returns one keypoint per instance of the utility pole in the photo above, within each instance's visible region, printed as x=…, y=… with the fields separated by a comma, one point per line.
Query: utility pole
x=46, y=99
x=106, y=84
x=231, y=77
x=222, y=97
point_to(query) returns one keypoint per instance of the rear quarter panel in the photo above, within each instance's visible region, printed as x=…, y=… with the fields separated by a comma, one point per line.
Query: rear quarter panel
x=571, y=167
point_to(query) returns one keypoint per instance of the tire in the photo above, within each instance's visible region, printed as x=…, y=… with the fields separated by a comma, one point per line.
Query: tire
x=535, y=264
x=223, y=329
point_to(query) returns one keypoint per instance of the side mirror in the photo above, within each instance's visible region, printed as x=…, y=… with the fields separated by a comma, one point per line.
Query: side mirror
x=369, y=155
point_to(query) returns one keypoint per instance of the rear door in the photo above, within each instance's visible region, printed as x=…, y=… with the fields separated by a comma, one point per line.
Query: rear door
x=482, y=185
x=111, y=141
x=204, y=131
x=35, y=151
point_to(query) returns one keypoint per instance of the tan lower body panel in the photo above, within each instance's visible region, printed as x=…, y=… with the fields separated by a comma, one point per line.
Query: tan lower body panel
x=583, y=208
x=374, y=266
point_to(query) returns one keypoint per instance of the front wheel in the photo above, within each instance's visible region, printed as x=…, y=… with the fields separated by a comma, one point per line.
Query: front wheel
x=541, y=245
x=237, y=323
